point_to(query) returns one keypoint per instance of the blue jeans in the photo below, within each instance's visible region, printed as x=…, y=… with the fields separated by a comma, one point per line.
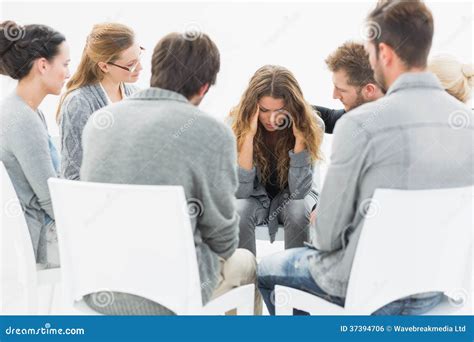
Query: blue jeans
x=290, y=268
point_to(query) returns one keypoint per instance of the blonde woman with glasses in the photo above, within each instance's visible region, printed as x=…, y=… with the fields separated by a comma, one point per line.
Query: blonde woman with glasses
x=109, y=63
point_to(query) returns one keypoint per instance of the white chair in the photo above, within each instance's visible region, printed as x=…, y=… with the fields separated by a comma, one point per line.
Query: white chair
x=412, y=242
x=262, y=233
x=134, y=239
x=26, y=289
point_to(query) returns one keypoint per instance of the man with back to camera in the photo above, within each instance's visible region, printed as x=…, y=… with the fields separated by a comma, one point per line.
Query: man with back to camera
x=159, y=137
x=386, y=143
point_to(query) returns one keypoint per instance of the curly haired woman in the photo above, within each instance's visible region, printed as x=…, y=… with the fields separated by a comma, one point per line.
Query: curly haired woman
x=278, y=140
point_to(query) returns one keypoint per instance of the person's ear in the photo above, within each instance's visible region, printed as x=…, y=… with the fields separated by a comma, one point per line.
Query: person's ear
x=104, y=67
x=41, y=65
x=203, y=90
x=386, y=54
x=370, y=90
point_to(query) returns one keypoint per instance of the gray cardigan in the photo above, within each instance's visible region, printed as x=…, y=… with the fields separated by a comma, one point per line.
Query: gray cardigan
x=300, y=183
x=76, y=109
x=405, y=140
x=25, y=152
x=159, y=138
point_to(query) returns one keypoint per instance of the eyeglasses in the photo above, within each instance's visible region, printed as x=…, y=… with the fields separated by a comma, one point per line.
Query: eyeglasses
x=130, y=68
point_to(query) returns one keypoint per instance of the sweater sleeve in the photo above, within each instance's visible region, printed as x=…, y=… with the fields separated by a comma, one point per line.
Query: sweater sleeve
x=329, y=116
x=300, y=174
x=301, y=170
x=246, y=182
x=28, y=141
x=340, y=192
x=219, y=223
x=74, y=114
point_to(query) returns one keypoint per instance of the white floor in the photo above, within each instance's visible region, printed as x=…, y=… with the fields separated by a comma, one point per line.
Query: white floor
x=265, y=248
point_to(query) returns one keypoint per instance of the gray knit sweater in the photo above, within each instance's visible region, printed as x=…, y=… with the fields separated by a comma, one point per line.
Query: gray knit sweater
x=25, y=152
x=157, y=137
x=76, y=109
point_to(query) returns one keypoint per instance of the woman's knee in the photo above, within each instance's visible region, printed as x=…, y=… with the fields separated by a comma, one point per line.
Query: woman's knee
x=296, y=215
x=247, y=208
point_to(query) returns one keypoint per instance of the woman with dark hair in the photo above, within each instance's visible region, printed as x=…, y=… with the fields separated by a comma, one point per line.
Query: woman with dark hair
x=38, y=57
x=110, y=62
x=278, y=139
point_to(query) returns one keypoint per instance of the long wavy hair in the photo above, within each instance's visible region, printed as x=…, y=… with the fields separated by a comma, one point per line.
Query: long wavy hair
x=279, y=83
x=104, y=44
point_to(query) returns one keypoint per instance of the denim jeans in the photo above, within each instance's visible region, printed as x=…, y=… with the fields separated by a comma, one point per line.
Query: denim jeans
x=290, y=268
x=54, y=155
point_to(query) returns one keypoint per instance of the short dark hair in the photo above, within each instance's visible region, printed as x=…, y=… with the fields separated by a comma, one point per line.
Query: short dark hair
x=184, y=63
x=354, y=60
x=20, y=46
x=404, y=25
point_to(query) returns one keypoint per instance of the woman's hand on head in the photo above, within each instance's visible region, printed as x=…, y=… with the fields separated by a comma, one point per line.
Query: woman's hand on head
x=254, y=122
x=300, y=143
x=297, y=132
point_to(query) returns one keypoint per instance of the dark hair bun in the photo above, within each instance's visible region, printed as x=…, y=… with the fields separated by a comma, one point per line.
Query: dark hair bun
x=21, y=45
x=10, y=32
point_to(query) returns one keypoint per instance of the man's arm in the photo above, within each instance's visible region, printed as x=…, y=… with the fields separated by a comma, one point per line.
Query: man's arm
x=329, y=116
x=219, y=223
x=28, y=140
x=338, y=201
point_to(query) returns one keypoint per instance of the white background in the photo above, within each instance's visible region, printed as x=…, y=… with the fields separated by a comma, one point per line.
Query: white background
x=298, y=36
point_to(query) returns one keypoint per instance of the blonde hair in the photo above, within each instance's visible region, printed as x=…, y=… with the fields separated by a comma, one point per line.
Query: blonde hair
x=104, y=44
x=455, y=77
x=279, y=83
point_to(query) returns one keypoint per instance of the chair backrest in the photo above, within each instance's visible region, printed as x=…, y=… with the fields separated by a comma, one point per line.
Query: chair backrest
x=413, y=242
x=135, y=239
x=18, y=278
